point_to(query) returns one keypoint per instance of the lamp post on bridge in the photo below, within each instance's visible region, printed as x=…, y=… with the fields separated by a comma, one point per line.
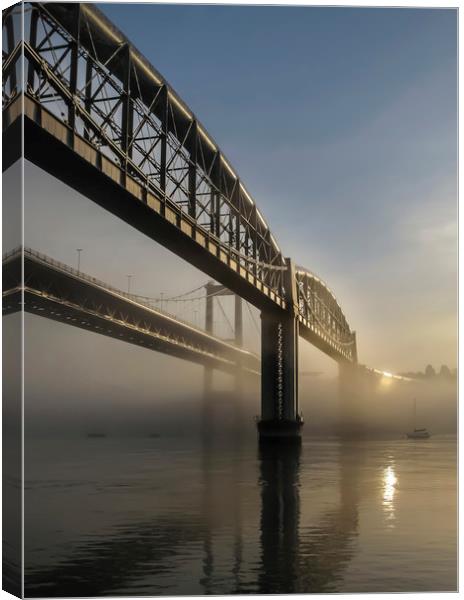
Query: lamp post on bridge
x=78, y=250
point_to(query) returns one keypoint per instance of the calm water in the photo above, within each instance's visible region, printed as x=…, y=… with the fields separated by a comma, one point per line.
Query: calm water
x=143, y=516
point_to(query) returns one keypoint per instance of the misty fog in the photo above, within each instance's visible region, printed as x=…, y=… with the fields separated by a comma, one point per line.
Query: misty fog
x=81, y=381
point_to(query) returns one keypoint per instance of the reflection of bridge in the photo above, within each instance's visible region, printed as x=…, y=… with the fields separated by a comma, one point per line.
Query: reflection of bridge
x=292, y=558
x=98, y=116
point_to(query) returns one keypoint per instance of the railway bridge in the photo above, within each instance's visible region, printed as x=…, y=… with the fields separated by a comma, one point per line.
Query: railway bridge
x=94, y=113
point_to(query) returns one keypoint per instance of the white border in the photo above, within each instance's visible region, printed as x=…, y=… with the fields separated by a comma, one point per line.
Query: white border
x=359, y=3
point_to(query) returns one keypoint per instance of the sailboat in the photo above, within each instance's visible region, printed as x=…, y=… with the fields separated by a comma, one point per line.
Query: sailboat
x=418, y=433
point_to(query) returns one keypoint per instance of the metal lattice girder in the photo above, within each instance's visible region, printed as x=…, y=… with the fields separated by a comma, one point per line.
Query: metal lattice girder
x=12, y=52
x=88, y=75
x=320, y=311
x=108, y=116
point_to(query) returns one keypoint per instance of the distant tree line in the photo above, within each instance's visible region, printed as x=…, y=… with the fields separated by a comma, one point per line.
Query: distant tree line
x=444, y=373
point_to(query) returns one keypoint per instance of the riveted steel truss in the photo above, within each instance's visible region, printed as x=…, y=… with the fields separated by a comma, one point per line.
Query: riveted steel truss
x=110, y=105
x=11, y=54
x=319, y=310
x=89, y=76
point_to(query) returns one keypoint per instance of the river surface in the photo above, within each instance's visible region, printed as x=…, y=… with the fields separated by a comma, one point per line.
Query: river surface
x=160, y=516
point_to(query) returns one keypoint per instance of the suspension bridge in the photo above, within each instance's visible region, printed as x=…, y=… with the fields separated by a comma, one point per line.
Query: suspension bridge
x=94, y=113
x=56, y=291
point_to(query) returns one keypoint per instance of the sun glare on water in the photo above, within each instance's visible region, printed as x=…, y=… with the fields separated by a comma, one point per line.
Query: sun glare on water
x=389, y=489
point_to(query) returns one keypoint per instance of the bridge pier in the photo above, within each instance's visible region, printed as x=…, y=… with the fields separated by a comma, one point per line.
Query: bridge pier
x=353, y=403
x=215, y=290
x=280, y=420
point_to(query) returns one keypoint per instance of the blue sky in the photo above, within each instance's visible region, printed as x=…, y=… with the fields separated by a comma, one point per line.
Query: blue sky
x=342, y=123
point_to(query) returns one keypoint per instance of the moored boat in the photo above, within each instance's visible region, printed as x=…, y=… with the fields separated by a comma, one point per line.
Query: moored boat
x=418, y=433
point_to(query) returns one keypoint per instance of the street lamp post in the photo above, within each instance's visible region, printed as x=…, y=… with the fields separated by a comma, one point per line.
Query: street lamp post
x=78, y=250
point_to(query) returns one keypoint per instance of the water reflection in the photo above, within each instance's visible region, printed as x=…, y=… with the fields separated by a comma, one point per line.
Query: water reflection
x=102, y=565
x=297, y=559
x=325, y=549
x=280, y=513
x=237, y=549
x=221, y=501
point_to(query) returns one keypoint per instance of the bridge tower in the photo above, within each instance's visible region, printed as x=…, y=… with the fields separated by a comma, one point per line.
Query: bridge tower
x=280, y=419
x=214, y=290
x=357, y=388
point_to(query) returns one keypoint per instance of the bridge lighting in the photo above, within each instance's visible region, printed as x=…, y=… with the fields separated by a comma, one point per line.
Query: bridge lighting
x=387, y=374
x=247, y=195
x=206, y=137
x=274, y=243
x=228, y=167
x=101, y=23
x=179, y=105
x=260, y=217
x=148, y=71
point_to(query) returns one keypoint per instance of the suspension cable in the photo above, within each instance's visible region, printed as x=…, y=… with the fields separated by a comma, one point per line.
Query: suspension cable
x=252, y=316
x=225, y=316
x=180, y=297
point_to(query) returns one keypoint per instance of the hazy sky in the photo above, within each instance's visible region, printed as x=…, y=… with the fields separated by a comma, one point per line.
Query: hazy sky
x=342, y=124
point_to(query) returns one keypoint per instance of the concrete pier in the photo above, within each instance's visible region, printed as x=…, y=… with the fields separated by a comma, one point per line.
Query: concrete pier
x=280, y=420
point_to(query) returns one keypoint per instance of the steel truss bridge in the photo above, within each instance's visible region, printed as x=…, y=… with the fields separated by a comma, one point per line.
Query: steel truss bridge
x=97, y=115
